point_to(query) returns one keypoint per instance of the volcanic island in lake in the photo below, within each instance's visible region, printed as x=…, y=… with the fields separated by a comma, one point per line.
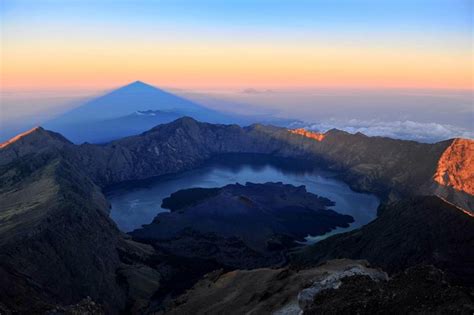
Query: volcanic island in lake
x=238, y=225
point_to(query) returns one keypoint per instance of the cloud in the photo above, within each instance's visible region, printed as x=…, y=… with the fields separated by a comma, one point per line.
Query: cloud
x=407, y=129
x=256, y=91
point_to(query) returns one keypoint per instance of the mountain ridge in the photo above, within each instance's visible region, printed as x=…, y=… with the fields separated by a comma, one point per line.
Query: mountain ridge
x=55, y=231
x=377, y=164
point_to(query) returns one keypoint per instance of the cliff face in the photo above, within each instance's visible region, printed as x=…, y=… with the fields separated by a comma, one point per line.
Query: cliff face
x=456, y=166
x=454, y=176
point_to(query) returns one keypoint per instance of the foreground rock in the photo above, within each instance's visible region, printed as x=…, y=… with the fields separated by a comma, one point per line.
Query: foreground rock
x=418, y=290
x=85, y=307
x=337, y=287
x=240, y=226
x=260, y=291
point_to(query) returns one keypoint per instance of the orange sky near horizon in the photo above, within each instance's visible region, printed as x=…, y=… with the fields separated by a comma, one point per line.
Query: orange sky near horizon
x=354, y=44
x=230, y=65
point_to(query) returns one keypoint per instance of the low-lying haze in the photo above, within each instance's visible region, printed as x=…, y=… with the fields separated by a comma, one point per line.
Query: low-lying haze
x=423, y=115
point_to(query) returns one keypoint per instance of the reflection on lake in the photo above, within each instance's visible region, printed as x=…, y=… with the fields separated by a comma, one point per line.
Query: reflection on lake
x=137, y=203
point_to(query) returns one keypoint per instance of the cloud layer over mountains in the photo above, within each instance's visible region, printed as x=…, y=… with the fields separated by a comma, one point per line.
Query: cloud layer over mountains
x=407, y=129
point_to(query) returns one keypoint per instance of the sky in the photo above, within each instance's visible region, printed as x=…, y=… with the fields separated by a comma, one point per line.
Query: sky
x=228, y=44
x=356, y=64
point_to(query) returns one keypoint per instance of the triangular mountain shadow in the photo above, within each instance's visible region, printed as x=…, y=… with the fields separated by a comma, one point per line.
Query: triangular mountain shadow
x=129, y=110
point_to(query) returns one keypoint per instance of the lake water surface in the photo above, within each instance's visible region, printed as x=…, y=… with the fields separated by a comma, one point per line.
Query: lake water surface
x=137, y=203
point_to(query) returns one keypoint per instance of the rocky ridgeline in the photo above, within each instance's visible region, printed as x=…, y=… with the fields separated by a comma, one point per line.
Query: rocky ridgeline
x=392, y=169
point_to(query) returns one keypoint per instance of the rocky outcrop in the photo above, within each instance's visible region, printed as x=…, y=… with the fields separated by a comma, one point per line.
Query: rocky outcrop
x=85, y=307
x=423, y=230
x=418, y=290
x=456, y=166
x=454, y=179
x=334, y=281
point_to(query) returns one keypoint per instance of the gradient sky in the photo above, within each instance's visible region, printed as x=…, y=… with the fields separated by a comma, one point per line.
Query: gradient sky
x=221, y=44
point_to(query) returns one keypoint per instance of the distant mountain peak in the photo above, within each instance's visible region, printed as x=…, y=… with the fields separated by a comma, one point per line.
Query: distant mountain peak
x=20, y=136
x=184, y=121
x=31, y=141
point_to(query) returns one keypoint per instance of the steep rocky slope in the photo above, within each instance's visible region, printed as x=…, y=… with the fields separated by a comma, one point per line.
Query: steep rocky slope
x=57, y=242
x=423, y=230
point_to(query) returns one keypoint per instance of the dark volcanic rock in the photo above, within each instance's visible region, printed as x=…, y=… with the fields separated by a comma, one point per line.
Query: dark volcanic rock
x=423, y=230
x=337, y=287
x=84, y=307
x=55, y=233
x=418, y=290
x=57, y=242
x=240, y=225
x=258, y=291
